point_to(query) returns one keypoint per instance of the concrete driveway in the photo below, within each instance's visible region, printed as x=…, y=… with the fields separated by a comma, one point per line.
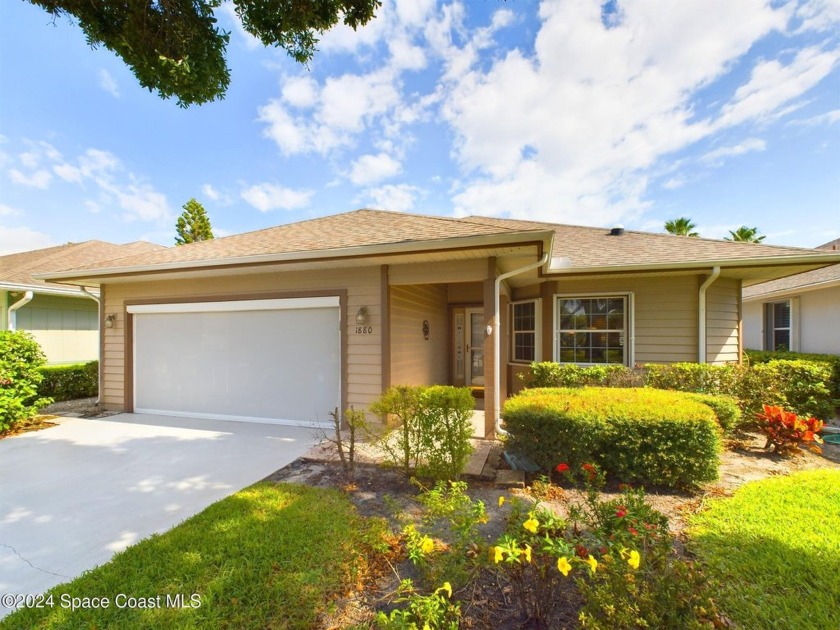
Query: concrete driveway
x=73, y=495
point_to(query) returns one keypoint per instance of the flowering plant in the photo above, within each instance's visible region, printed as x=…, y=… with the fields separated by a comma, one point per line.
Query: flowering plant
x=786, y=432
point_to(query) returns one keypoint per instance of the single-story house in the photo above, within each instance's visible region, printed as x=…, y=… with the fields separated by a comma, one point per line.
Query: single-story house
x=287, y=324
x=63, y=318
x=799, y=313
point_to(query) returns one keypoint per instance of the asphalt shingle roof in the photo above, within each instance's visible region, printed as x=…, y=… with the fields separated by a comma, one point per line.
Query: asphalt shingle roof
x=827, y=275
x=19, y=268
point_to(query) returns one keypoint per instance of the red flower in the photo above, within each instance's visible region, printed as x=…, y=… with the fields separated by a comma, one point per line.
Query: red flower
x=581, y=551
x=590, y=470
x=562, y=468
x=632, y=531
x=621, y=511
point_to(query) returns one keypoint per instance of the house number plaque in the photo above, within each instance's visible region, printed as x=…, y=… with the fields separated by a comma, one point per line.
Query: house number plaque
x=364, y=330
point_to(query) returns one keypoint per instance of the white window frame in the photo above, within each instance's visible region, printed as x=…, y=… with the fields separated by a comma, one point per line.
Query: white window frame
x=629, y=323
x=769, y=329
x=537, y=302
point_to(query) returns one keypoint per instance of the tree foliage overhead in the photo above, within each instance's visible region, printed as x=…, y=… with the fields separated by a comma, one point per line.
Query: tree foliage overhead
x=745, y=234
x=193, y=225
x=175, y=47
x=682, y=226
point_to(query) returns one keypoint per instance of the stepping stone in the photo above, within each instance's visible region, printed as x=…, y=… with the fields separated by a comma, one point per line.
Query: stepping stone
x=510, y=478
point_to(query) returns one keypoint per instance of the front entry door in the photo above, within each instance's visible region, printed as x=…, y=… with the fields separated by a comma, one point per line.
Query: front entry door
x=474, y=359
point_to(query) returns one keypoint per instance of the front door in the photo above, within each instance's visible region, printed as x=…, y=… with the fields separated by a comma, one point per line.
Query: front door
x=474, y=358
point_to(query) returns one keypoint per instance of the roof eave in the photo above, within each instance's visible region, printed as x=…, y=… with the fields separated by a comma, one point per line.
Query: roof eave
x=732, y=263
x=411, y=247
x=42, y=289
x=803, y=288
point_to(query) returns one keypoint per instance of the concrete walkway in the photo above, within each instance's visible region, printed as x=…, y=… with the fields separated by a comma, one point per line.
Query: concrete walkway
x=73, y=495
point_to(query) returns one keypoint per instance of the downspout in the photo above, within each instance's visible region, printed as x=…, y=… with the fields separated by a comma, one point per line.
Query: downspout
x=701, y=331
x=497, y=341
x=26, y=299
x=99, y=362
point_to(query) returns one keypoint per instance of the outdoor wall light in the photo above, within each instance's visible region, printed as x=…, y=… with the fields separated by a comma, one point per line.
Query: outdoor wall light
x=110, y=320
x=361, y=316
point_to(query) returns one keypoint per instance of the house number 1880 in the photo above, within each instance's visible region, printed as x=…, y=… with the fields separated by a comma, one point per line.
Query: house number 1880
x=364, y=330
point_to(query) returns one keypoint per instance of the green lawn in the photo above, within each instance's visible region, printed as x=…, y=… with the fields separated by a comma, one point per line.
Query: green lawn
x=270, y=556
x=772, y=551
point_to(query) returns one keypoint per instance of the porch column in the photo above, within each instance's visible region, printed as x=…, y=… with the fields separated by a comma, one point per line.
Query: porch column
x=491, y=319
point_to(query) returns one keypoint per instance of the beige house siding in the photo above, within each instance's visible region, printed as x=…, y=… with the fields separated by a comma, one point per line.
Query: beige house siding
x=65, y=327
x=664, y=314
x=722, y=317
x=363, y=286
x=415, y=360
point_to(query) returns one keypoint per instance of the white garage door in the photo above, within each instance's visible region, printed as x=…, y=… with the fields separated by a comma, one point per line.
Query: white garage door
x=273, y=361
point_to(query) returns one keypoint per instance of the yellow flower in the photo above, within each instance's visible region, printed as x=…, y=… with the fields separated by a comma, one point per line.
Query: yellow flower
x=592, y=562
x=531, y=525
x=501, y=501
x=497, y=555
x=427, y=545
x=527, y=553
x=447, y=587
x=563, y=566
x=634, y=559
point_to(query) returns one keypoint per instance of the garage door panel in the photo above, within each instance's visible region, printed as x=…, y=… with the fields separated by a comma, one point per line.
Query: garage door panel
x=270, y=365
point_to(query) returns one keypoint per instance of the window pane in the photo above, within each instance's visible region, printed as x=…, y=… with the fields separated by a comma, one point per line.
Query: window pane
x=781, y=340
x=591, y=330
x=524, y=347
x=781, y=315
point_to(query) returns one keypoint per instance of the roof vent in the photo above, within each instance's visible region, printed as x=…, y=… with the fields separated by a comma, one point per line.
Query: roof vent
x=617, y=231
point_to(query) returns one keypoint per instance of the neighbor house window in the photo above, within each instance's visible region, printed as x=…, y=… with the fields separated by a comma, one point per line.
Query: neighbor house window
x=777, y=326
x=593, y=330
x=525, y=337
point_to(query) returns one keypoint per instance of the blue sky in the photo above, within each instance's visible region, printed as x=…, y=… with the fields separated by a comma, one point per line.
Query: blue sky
x=628, y=112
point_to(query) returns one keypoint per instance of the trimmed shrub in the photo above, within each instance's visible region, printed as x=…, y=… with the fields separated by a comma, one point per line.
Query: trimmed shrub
x=634, y=434
x=69, y=382
x=726, y=409
x=754, y=357
x=445, y=429
x=20, y=358
x=428, y=428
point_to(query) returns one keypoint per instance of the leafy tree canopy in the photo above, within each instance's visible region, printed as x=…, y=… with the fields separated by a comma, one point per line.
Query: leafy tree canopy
x=745, y=234
x=681, y=227
x=175, y=47
x=193, y=225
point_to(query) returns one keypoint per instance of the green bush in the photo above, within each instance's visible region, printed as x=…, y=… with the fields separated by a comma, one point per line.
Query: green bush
x=20, y=358
x=634, y=434
x=804, y=387
x=754, y=357
x=429, y=428
x=726, y=409
x=69, y=382
x=549, y=374
x=445, y=429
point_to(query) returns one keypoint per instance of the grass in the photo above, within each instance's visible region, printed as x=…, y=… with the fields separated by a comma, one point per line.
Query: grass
x=772, y=551
x=269, y=556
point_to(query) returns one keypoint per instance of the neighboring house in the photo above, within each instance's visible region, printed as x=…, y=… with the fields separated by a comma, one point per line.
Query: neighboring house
x=289, y=323
x=63, y=318
x=799, y=313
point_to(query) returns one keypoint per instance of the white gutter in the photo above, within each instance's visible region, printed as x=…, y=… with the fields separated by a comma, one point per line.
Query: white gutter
x=39, y=288
x=701, y=332
x=497, y=343
x=26, y=299
x=99, y=362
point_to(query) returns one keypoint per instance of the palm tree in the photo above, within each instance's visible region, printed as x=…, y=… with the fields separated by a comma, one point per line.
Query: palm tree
x=745, y=235
x=681, y=227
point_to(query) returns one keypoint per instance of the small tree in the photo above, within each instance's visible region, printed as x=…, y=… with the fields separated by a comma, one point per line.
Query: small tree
x=20, y=358
x=193, y=225
x=744, y=234
x=682, y=226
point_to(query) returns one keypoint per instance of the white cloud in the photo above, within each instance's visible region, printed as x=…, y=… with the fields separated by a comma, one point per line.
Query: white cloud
x=267, y=197
x=828, y=118
x=211, y=193
x=717, y=156
x=301, y=92
x=142, y=202
x=819, y=15
x=8, y=211
x=35, y=179
x=108, y=83
x=371, y=169
x=399, y=197
x=22, y=239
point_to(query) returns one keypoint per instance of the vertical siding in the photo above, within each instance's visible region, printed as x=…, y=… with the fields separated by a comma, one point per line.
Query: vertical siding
x=363, y=286
x=415, y=360
x=722, y=316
